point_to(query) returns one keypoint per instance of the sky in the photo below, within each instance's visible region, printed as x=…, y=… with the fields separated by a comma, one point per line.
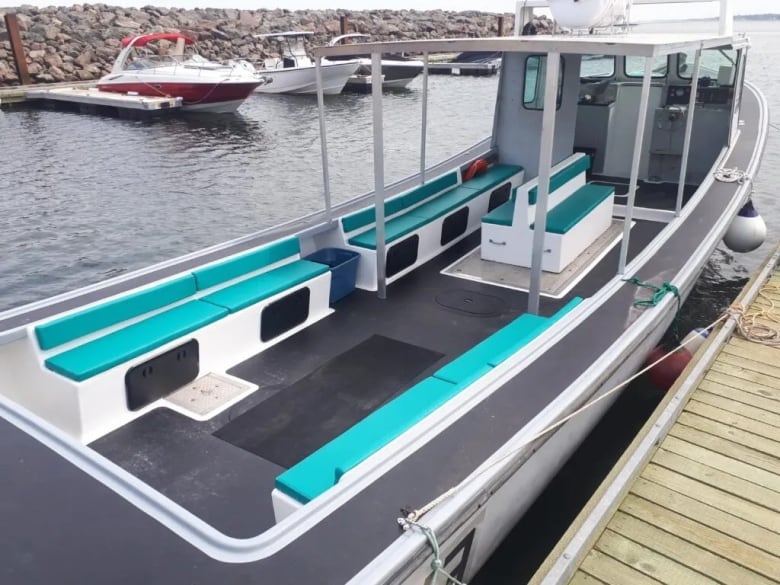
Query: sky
x=639, y=13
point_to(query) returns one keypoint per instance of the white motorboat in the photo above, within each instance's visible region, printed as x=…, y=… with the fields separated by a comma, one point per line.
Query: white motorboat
x=203, y=85
x=397, y=71
x=374, y=393
x=294, y=71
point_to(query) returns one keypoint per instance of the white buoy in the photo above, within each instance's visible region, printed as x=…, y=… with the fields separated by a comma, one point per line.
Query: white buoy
x=694, y=340
x=747, y=231
x=588, y=13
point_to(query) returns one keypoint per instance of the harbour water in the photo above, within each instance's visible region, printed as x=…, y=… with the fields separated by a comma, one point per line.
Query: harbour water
x=88, y=198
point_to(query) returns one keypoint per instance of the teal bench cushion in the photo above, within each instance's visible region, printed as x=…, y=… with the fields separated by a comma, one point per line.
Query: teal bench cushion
x=321, y=470
x=443, y=204
x=570, y=211
x=503, y=342
x=494, y=176
x=562, y=177
x=115, y=311
x=101, y=354
x=501, y=215
x=252, y=290
x=395, y=228
x=400, y=202
x=249, y=262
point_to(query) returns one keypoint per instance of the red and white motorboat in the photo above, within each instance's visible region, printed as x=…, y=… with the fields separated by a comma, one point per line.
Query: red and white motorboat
x=203, y=85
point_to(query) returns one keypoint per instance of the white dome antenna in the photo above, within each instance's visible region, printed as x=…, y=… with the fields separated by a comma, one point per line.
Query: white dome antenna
x=589, y=14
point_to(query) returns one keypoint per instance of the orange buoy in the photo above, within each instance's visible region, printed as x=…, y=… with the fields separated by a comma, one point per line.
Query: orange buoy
x=478, y=167
x=664, y=373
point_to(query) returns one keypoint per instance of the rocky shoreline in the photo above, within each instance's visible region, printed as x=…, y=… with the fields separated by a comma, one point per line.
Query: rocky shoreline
x=79, y=43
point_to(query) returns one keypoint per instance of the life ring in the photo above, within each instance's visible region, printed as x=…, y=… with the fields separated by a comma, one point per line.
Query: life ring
x=478, y=167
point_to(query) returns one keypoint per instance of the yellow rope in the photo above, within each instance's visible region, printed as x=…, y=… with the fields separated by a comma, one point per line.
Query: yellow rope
x=748, y=326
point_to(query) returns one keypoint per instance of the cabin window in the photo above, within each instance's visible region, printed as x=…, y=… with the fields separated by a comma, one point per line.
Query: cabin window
x=635, y=66
x=719, y=66
x=535, y=79
x=597, y=66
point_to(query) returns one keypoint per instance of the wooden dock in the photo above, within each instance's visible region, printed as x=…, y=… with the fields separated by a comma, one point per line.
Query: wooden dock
x=696, y=497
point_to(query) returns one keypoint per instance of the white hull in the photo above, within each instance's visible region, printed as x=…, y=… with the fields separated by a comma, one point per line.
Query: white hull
x=303, y=80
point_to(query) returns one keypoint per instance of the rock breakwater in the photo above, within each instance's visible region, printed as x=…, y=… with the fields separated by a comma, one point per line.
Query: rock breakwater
x=79, y=43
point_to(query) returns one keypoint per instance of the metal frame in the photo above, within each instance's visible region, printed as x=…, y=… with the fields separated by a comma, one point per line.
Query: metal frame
x=379, y=173
x=641, y=123
x=424, y=130
x=688, y=132
x=323, y=138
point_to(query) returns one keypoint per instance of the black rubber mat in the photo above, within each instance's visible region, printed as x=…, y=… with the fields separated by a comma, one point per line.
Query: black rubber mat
x=300, y=419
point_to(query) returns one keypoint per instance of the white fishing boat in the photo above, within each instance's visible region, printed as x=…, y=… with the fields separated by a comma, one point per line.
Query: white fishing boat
x=293, y=71
x=376, y=392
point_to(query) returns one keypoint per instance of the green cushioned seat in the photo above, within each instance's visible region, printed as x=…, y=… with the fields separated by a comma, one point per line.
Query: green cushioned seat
x=445, y=203
x=527, y=333
x=493, y=177
x=252, y=290
x=101, y=354
x=245, y=263
x=501, y=215
x=75, y=325
x=562, y=177
x=395, y=228
x=400, y=202
x=322, y=469
x=503, y=342
x=570, y=211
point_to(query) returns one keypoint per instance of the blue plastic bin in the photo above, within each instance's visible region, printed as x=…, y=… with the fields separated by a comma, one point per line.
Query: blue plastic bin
x=343, y=270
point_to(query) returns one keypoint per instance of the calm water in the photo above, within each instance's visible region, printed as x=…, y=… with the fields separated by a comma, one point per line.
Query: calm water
x=87, y=198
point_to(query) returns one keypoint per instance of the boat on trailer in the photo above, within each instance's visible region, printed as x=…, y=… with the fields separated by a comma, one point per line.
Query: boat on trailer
x=268, y=409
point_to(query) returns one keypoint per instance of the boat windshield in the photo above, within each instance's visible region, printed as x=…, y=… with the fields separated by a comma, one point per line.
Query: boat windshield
x=717, y=65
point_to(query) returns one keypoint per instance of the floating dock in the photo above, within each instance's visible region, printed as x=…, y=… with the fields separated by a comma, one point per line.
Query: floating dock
x=445, y=65
x=84, y=97
x=696, y=497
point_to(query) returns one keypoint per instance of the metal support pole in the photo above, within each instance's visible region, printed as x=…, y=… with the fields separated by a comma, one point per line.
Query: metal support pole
x=726, y=25
x=379, y=173
x=688, y=132
x=641, y=122
x=523, y=15
x=424, y=131
x=543, y=186
x=323, y=137
x=20, y=60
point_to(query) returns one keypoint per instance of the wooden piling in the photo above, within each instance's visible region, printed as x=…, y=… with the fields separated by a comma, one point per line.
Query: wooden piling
x=343, y=24
x=500, y=32
x=20, y=59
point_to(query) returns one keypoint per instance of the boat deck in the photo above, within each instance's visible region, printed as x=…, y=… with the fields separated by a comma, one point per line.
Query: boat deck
x=321, y=381
x=705, y=508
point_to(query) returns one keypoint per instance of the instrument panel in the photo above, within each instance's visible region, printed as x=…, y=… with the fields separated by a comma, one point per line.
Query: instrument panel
x=707, y=95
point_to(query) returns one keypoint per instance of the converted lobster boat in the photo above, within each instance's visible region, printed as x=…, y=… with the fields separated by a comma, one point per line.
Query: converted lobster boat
x=375, y=393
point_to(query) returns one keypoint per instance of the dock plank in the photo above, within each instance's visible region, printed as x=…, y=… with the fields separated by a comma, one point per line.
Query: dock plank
x=718, y=479
x=712, y=496
x=739, y=408
x=745, y=373
x=699, y=533
x=729, y=418
x=741, y=396
x=756, y=442
x=726, y=447
x=685, y=553
x=753, y=351
x=722, y=463
x=581, y=578
x=692, y=509
x=623, y=560
x=743, y=385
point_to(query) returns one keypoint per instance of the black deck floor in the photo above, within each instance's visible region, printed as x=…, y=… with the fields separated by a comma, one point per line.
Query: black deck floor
x=650, y=195
x=428, y=319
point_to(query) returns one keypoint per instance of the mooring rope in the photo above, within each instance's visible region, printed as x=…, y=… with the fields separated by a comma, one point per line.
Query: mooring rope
x=732, y=175
x=659, y=292
x=436, y=564
x=413, y=517
x=747, y=325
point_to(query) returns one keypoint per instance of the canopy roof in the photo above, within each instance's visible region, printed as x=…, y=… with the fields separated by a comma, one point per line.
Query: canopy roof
x=639, y=45
x=141, y=40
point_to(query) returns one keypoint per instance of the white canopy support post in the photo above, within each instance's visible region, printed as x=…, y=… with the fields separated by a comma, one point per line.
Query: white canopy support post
x=323, y=138
x=424, y=130
x=688, y=132
x=379, y=173
x=641, y=122
x=543, y=186
x=523, y=15
x=726, y=27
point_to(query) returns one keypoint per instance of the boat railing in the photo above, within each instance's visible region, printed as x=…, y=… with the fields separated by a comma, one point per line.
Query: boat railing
x=169, y=64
